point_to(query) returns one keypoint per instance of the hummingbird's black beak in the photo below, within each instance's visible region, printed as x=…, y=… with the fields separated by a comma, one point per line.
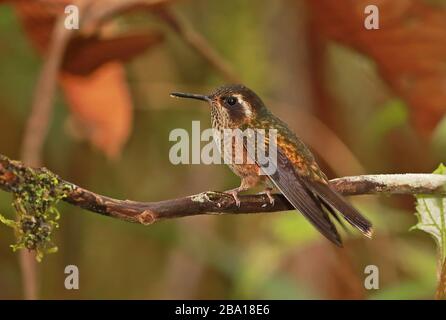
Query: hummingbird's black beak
x=190, y=96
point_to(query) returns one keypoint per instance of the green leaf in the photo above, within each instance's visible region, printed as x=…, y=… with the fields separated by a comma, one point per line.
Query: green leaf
x=431, y=213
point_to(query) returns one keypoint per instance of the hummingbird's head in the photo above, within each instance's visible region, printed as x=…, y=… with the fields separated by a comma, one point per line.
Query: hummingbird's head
x=234, y=104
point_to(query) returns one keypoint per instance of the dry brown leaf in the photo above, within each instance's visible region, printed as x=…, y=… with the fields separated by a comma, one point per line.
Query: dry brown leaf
x=84, y=55
x=96, y=90
x=409, y=48
x=37, y=21
x=101, y=104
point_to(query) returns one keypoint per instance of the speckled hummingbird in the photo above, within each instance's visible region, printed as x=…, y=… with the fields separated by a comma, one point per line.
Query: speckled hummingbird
x=297, y=176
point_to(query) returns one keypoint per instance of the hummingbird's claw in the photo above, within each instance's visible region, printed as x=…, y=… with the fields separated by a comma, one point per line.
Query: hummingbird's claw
x=236, y=198
x=234, y=194
x=268, y=192
x=271, y=199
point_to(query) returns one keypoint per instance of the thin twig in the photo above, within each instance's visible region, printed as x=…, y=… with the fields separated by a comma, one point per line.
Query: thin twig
x=103, y=11
x=36, y=131
x=41, y=109
x=197, y=42
x=211, y=202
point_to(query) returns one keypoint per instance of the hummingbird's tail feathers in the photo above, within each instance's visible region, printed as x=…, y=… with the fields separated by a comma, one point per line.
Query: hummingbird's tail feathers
x=333, y=214
x=333, y=199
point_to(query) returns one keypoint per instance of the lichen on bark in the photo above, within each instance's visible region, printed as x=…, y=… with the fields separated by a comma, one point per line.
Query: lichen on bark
x=36, y=193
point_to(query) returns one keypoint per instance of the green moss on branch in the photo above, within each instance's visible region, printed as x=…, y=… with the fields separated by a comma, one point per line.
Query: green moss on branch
x=36, y=193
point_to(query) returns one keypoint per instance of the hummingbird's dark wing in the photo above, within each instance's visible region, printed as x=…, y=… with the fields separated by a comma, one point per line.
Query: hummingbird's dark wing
x=309, y=193
x=294, y=189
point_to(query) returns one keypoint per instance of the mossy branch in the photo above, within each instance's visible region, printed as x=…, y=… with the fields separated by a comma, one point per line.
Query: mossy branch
x=36, y=192
x=40, y=182
x=16, y=177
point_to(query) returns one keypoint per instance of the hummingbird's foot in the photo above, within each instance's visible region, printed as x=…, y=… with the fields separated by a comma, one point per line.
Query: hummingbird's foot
x=234, y=194
x=268, y=192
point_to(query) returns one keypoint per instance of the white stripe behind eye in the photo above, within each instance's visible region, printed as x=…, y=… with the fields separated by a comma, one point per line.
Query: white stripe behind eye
x=246, y=106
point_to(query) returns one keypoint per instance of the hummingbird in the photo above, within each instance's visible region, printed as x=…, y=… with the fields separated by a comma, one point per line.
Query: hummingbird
x=297, y=175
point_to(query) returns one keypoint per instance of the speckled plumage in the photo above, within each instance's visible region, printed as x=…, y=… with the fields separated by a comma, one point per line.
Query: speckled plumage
x=296, y=151
x=298, y=176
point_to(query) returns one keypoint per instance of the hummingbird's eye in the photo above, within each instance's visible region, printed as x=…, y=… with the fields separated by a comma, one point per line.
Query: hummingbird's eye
x=231, y=100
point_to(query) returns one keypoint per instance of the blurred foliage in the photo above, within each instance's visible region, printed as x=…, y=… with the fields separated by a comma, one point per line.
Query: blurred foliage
x=283, y=51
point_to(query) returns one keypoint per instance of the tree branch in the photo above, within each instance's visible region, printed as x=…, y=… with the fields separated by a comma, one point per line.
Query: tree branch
x=13, y=173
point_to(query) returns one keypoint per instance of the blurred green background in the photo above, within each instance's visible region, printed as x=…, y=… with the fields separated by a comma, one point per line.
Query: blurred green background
x=337, y=93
